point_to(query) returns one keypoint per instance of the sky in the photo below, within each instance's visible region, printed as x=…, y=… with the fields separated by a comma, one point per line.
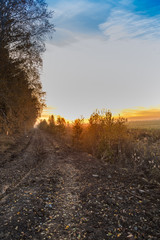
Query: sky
x=103, y=54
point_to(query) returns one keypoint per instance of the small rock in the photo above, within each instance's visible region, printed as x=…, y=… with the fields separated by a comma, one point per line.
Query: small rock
x=49, y=205
x=141, y=191
x=120, y=198
x=130, y=236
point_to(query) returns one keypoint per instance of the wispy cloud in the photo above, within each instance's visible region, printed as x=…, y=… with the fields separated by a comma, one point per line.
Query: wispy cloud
x=69, y=9
x=124, y=23
x=115, y=20
x=78, y=17
x=73, y=12
x=63, y=37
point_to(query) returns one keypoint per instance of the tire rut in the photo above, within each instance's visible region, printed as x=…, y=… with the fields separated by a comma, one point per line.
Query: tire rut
x=67, y=204
x=49, y=193
x=67, y=195
x=17, y=170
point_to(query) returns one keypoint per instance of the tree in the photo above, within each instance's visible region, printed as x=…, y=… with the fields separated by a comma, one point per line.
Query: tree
x=61, y=123
x=105, y=136
x=24, y=25
x=18, y=104
x=77, y=132
x=43, y=125
x=51, y=124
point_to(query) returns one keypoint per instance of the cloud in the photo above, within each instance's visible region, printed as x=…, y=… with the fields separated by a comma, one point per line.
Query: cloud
x=63, y=37
x=126, y=2
x=67, y=11
x=90, y=73
x=114, y=20
x=78, y=17
x=125, y=24
x=70, y=9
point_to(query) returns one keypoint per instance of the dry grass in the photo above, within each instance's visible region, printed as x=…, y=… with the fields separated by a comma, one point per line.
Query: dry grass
x=6, y=142
x=149, y=124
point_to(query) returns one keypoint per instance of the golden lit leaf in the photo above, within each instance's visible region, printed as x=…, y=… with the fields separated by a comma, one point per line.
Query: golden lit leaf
x=109, y=234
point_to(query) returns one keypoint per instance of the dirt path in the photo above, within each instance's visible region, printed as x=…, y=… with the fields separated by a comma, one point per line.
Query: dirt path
x=49, y=191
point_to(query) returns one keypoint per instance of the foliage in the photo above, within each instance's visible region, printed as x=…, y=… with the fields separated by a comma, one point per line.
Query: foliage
x=19, y=105
x=43, y=125
x=23, y=28
x=60, y=126
x=105, y=136
x=77, y=130
x=110, y=139
x=56, y=127
x=51, y=124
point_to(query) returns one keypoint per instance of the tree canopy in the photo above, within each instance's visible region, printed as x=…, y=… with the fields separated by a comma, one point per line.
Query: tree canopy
x=24, y=26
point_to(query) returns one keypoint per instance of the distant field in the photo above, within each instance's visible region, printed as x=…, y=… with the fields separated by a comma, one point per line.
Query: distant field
x=149, y=124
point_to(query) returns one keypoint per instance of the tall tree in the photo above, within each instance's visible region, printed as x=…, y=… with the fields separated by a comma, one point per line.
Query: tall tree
x=24, y=25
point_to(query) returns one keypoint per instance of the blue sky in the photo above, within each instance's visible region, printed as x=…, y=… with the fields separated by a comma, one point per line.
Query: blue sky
x=103, y=54
x=86, y=17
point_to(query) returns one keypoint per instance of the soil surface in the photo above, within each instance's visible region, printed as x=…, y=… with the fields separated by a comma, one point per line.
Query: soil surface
x=49, y=191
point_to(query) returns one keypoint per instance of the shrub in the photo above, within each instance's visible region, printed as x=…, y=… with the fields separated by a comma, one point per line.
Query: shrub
x=77, y=130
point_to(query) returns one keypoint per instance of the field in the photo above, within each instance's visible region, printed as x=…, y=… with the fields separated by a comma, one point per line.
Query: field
x=149, y=124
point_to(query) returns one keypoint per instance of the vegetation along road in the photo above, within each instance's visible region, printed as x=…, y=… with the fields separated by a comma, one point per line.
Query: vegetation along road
x=50, y=191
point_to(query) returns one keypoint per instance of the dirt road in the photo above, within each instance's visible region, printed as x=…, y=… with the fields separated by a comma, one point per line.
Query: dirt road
x=49, y=191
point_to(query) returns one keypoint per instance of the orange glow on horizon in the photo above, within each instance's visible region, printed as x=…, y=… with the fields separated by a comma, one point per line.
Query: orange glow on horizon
x=141, y=114
x=137, y=114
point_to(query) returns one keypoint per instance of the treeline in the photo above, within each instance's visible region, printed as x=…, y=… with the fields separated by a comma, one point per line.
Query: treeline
x=110, y=139
x=56, y=126
x=24, y=26
x=103, y=135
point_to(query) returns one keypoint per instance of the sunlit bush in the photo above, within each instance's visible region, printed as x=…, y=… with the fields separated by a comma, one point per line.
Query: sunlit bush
x=105, y=136
x=77, y=129
x=60, y=126
x=55, y=127
x=108, y=138
x=51, y=124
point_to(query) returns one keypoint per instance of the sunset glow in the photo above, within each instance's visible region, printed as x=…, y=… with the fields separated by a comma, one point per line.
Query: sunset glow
x=141, y=114
x=80, y=119
x=136, y=114
x=104, y=54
